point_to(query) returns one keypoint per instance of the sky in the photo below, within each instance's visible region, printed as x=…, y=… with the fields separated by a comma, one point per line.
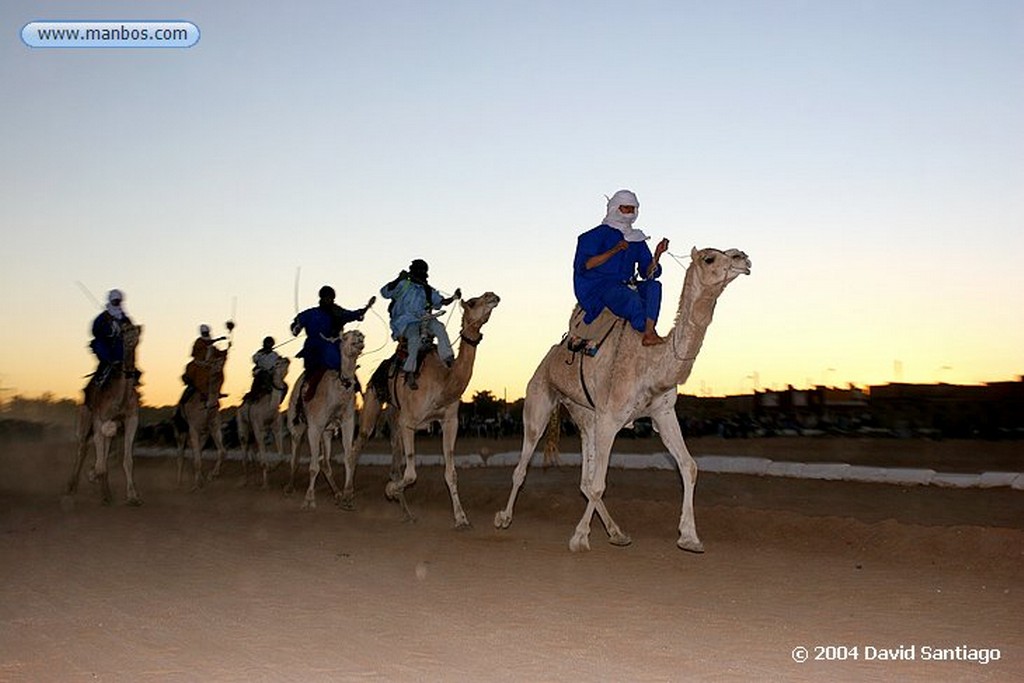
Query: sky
x=868, y=156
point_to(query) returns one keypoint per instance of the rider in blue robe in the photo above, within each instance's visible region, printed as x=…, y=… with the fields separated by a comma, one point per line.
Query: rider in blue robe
x=323, y=325
x=614, y=268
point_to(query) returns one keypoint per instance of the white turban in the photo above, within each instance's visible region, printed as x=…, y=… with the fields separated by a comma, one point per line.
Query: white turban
x=623, y=222
x=113, y=309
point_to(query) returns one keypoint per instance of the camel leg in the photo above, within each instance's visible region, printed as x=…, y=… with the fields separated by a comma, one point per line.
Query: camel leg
x=537, y=408
x=84, y=431
x=395, y=489
x=102, y=445
x=449, y=430
x=592, y=484
x=131, y=426
x=584, y=419
x=314, y=435
x=196, y=440
x=245, y=426
x=367, y=424
x=326, y=447
x=297, y=432
x=243, y=445
x=218, y=441
x=261, y=449
x=181, y=456
x=668, y=427
x=278, y=434
x=347, y=500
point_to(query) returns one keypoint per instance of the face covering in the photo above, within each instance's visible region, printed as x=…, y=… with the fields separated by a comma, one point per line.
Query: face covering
x=115, y=310
x=623, y=222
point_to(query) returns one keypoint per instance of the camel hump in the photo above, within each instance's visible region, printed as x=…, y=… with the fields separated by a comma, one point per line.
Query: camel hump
x=590, y=335
x=379, y=380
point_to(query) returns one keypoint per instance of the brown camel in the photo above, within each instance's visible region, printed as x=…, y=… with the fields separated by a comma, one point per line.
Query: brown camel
x=333, y=407
x=262, y=414
x=98, y=416
x=622, y=382
x=198, y=418
x=437, y=398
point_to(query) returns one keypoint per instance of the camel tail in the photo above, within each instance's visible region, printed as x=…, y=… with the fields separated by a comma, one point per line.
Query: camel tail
x=552, y=435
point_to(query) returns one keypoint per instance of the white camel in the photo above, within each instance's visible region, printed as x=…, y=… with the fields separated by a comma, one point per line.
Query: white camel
x=622, y=382
x=332, y=406
x=437, y=398
x=102, y=409
x=259, y=415
x=198, y=418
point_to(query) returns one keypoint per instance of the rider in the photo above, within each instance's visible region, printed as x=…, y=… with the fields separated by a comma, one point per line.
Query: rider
x=608, y=262
x=108, y=336
x=197, y=374
x=413, y=300
x=264, y=361
x=323, y=325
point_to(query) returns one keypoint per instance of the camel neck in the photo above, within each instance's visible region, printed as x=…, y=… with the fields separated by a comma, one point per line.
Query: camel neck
x=462, y=367
x=696, y=308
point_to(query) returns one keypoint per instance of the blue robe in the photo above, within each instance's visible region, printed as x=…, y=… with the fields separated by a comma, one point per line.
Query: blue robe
x=322, y=325
x=607, y=285
x=409, y=304
x=107, y=338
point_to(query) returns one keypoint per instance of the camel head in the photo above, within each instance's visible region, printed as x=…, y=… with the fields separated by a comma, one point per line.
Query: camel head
x=280, y=371
x=477, y=311
x=718, y=268
x=352, y=344
x=130, y=334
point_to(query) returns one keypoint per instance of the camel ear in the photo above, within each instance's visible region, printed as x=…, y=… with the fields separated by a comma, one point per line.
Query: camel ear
x=693, y=252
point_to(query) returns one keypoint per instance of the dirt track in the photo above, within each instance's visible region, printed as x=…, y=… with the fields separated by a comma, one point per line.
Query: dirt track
x=238, y=584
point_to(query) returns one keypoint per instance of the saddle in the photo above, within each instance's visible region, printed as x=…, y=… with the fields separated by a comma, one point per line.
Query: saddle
x=262, y=385
x=389, y=368
x=313, y=378
x=98, y=380
x=101, y=378
x=588, y=337
x=402, y=353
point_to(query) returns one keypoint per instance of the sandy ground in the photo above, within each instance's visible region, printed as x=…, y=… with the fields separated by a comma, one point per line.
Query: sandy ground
x=237, y=584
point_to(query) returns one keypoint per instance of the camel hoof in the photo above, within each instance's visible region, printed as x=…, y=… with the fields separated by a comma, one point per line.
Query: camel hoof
x=347, y=503
x=289, y=489
x=579, y=544
x=308, y=504
x=134, y=502
x=620, y=540
x=463, y=525
x=502, y=520
x=690, y=546
x=391, y=491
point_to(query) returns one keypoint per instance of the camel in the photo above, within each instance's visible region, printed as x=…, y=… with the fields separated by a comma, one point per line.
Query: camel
x=333, y=407
x=198, y=418
x=622, y=382
x=101, y=410
x=437, y=398
x=259, y=415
